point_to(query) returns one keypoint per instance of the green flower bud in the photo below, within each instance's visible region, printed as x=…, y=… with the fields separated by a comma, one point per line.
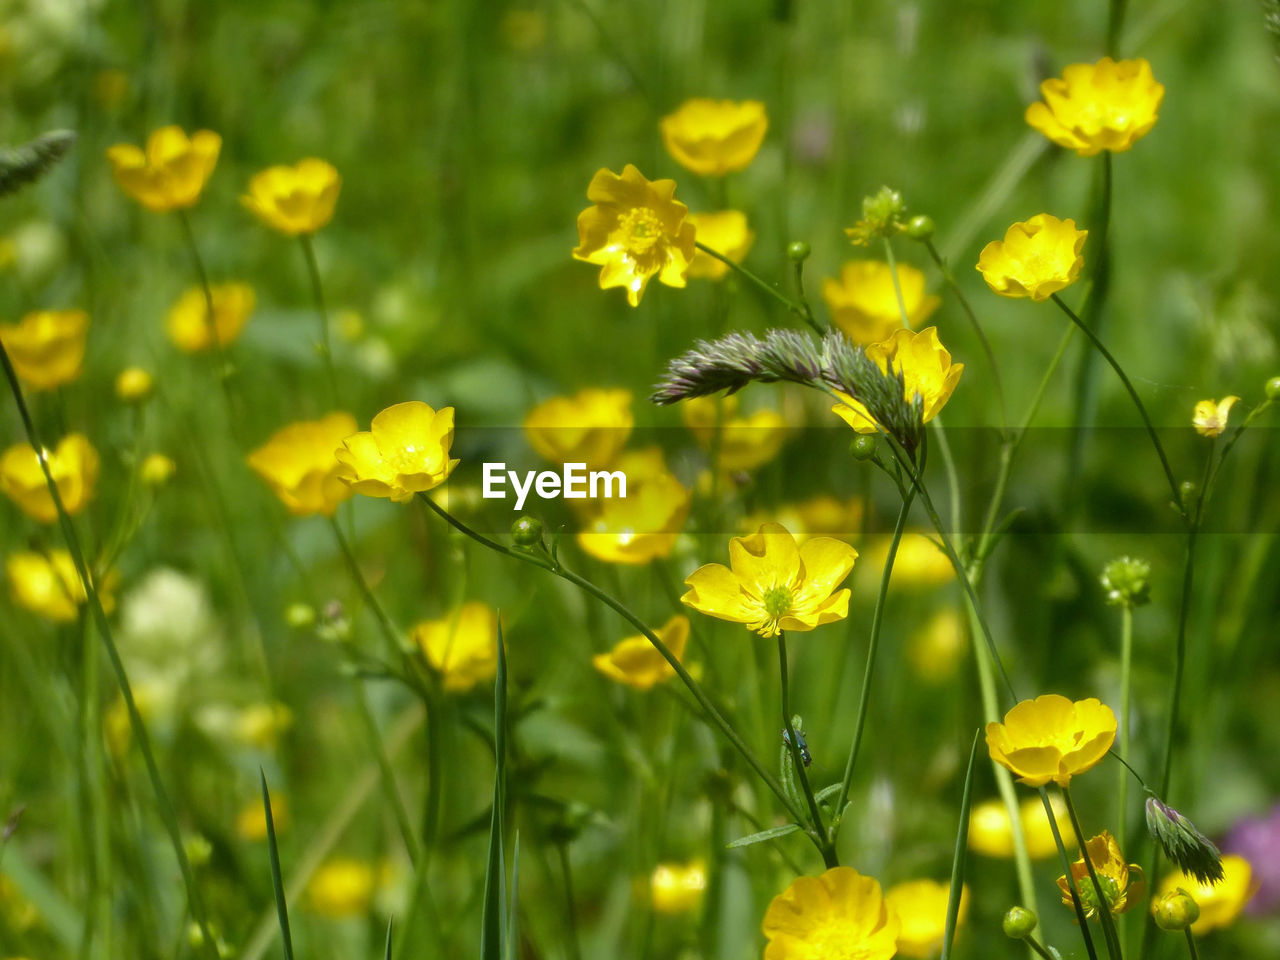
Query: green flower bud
x=1189, y=490
x=882, y=214
x=1126, y=580
x=920, y=227
x=1183, y=843
x=1272, y=388
x=864, y=447
x=300, y=616
x=527, y=531
x=799, y=251
x=1175, y=910
x=1019, y=922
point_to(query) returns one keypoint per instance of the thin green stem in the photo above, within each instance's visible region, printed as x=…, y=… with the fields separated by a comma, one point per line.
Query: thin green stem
x=793, y=746
x=1076, y=902
x=1126, y=661
x=1102, y=904
x=804, y=301
x=223, y=372
x=390, y=632
x=1115, y=24
x=570, y=910
x=325, y=346
x=797, y=309
x=1191, y=944
x=1035, y=945
x=389, y=787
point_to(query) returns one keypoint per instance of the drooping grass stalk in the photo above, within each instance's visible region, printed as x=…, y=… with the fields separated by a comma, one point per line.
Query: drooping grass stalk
x=797, y=309
x=1126, y=661
x=139, y=729
x=1103, y=906
x=961, y=850
x=325, y=344
x=793, y=746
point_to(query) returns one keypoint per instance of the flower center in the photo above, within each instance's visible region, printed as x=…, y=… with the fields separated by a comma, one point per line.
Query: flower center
x=777, y=602
x=642, y=230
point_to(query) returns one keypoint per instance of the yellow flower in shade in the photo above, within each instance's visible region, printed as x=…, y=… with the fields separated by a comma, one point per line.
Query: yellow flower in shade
x=188, y=321
x=1036, y=258
x=172, y=171
x=864, y=304
x=342, y=888
x=921, y=909
x=745, y=442
x=936, y=648
x=405, y=451
x=771, y=584
x=1052, y=738
x=49, y=586
x=251, y=821
x=991, y=831
x=157, y=470
x=133, y=385
x=839, y=914
x=295, y=200
x=1210, y=418
x=1122, y=884
x=635, y=661
x=677, y=887
x=47, y=347
x=926, y=368
x=590, y=427
x=299, y=465
x=644, y=525
x=726, y=232
x=636, y=230
x=74, y=465
x=1108, y=105
x=920, y=562
x=714, y=137
x=462, y=646
x=1220, y=903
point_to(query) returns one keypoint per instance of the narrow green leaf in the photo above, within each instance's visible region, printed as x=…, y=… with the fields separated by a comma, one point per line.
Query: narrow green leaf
x=390, y=923
x=513, y=911
x=494, y=877
x=962, y=846
x=826, y=793
x=277, y=884
x=773, y=833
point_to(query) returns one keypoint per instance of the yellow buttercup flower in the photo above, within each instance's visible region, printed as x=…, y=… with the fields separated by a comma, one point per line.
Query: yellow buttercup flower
x=636, y=230
x=47, y=346
x=745, y=442
x=1108, y=105
x=405, y=451
x=133, y=385
x=590, y=427
x=634, y=660
x=677, y=887
x=1036, y=258
x=157, y=470
x=1122, y=883
x=864, y=304
x=463, y=646
x=173, y=170
x=926, y=368
x=839, y=914
x=251, y=821
x=1210, y=418
x=342, y=888
x=49, y=586
x=726, y=232
x=772, y=585
x=644, y=525
x=991, y=830
x=299, y=465
x=921, y=909
x=74, y=465
x=296, y=199
x=1052, y=738
x=714, y=137
x=188, y=321
x=1220, y=903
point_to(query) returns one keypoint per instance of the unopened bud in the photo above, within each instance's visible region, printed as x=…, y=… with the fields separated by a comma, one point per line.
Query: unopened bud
x=527, y=531
x=1175, y=910
x=920, y=227
x=1019, y=922
x=1188, y=490
x=1272, y=388
x=863, y=448
x=798, y=251
x=1127, y=582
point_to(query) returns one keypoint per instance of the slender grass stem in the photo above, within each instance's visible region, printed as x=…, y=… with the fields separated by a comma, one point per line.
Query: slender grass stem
x=570, y=910
x=325, y=345
x=390, y=632
x=1065, y=860
x=390, y=788
x=222, y=373
x=1126, y=662
x=793, y=746
x=1103, y=907
x=797, y=309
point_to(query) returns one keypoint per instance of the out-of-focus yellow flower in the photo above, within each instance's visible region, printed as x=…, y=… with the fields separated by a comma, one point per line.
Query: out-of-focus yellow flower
x=188, y=321
x=864, y=304
x=1220, y=903
x=74, y=465
x=726, y=232
x=822, y=515
x=921, y=909
x=920, y=562
x=772, y=585
x=926, y=368
x=157, y=470
x=251, y=821
x=299, y=465
x=991, y=831
x=634, y=231
x=1108, y=105
x=714, y=137
x=47, y=346
x=405, y=451
x=1210, y=417
x=1036, y=258
x=590, y=427
x=133, y=385
x=745, y=442
x=1052, y=738
x=462, y=646
x=260, y=724
x=677, y=887
x=342, y=887
x=173, y=170
x=296, y=199
x=936, y=648
x=839, y=914
x=1122, y=883
x=49, y=586
x=635, y=661
x=644, y=525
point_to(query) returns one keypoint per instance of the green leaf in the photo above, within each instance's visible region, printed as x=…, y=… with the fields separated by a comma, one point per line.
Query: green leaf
x=277, y=884
x=513, y=912
x=773, y=833
x=962, y=846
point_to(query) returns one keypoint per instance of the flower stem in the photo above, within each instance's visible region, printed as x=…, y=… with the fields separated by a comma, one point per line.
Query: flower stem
x=223, y=371
x=1081, y=919
x=325, y=346
x=804, y=301
x=390, y=632
x=1104, y=908
x=1035, y=945
x=821, y=838
x=796, y=308
x=1126, y=660
x=1191, y=944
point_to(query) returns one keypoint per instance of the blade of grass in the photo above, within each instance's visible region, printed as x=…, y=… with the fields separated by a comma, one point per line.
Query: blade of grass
x=513, y=905
x=387, y=952
x=957, y=861
x=277, y=885
x=495, y=872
